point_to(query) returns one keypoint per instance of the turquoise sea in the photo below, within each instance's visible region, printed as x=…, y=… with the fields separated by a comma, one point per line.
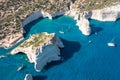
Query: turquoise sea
x=81, y=60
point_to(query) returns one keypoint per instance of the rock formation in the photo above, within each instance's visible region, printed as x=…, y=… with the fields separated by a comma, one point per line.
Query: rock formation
x=83, y=25
x=106, y=14
x=40, y=14
x=28, y=77
x=14, y=18
x=11, y=40
x=41, y=49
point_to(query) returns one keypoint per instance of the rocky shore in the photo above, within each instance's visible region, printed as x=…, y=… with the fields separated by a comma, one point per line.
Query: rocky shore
x=44, y=48
x=111, y=13
x=106, y=14
x=10, y=41
x=41, y=49
x=14, y=18
x=40, y=14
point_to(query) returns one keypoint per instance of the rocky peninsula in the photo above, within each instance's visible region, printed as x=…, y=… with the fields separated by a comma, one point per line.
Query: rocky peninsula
x=41, y=49
x=14, y=18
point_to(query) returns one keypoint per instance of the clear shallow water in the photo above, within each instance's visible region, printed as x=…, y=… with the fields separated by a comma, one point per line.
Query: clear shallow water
x=82, y=61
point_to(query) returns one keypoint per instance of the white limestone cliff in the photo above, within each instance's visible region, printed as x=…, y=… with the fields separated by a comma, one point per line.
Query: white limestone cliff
x=82, y=21
x=10, y=41
x=111, y=13
x=45, y=51
x=84, y=25
x=40, y=14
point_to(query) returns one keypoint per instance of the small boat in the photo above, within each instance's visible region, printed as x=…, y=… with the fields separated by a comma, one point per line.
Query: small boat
x=61, y=32
x=20, y=68
x=111, y=44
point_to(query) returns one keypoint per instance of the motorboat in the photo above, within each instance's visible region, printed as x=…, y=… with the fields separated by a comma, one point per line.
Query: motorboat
x=111, y=44
x=20, y=68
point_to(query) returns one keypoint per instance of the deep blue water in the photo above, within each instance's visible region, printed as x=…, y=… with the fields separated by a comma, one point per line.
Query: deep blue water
x=81, y=60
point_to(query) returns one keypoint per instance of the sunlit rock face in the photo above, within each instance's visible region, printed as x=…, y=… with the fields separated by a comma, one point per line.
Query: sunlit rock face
x=41, y=49
x=107, y=14
x=84, y=25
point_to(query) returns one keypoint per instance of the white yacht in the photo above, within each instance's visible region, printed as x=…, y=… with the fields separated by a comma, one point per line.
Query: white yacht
x=111, y=44
x=20, y=68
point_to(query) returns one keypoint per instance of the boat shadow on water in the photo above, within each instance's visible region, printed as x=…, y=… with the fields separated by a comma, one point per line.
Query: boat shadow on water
x=66, y=53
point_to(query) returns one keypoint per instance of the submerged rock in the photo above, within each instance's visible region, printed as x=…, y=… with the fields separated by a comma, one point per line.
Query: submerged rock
x=41, y=49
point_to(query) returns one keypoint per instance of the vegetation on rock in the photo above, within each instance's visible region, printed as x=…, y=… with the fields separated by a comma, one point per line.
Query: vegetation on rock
x=13, y=12
x=37, y=40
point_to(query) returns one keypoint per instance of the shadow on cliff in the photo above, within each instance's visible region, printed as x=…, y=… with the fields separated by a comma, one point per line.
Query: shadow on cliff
x=66, y=53
x=28, y=27
x=39, y=77
x=57, y=17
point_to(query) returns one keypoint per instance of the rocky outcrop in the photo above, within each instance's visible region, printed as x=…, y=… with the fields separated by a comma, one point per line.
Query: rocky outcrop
x=106, y=14
x=11, y=40
x=111, y=13
x=82, y=21
x=41, y=49
x=83, y=25
x=28, y=77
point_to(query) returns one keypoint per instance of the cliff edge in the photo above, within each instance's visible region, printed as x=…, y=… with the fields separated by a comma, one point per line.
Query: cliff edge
x=41, y=49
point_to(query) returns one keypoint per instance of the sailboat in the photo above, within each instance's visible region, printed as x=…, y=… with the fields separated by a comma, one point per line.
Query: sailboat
x=20, y=68
x=111, y=44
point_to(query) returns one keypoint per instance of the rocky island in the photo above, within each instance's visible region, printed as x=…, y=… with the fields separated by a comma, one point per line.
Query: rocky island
x=41, y=49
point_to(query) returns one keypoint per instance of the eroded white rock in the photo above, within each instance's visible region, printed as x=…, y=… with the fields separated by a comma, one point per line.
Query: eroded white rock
x=47, y=51
x=111, y=13
x=28, y=77
x=84, y=25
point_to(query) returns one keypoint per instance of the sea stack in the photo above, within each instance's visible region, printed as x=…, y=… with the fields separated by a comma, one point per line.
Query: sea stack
x=83, y=24
x=41, y=49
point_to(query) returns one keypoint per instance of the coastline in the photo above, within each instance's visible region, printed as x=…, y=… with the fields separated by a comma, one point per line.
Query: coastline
x=99, y=14
x=43, y=52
